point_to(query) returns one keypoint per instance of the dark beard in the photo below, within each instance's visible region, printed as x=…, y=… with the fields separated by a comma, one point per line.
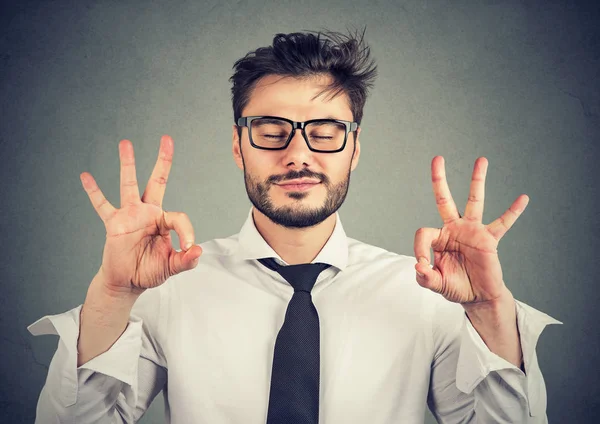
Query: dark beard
x=294, y=217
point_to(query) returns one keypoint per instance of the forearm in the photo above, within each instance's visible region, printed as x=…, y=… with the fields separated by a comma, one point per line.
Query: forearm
x=103, y=319
x=498, y=388
x=496, y=323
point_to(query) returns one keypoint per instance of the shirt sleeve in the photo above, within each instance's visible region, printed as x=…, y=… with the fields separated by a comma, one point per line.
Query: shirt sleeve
x=116, y=386
x=469, y=383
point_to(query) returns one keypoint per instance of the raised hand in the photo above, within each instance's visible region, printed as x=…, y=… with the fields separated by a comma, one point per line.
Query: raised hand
x=466, y=268
x=138, y=253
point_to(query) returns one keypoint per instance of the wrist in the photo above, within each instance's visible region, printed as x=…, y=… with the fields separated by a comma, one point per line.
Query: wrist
x=106, y=303
x=114, y=291
x=496, y=323
x=497, y=310
x=103, y=318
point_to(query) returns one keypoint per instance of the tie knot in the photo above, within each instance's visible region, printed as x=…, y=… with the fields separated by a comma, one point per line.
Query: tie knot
x=302, y=277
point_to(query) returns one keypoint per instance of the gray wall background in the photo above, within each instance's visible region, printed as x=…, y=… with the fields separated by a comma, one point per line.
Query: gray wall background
x=515, y=81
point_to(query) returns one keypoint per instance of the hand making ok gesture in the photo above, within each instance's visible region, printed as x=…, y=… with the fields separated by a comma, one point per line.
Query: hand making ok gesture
x=466, y=268
x=138, y=253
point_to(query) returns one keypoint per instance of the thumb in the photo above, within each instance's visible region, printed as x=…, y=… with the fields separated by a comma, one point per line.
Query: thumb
x=427, y=276
x=186, y=260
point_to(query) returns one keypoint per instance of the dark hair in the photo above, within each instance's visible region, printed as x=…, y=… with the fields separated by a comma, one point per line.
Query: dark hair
x=303, y=55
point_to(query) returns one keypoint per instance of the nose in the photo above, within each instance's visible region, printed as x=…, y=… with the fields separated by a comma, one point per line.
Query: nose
x=297, y=151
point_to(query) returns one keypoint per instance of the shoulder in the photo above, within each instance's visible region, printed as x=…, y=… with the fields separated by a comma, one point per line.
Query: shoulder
x=216, y=253
x=364, y=255
x=220, y=247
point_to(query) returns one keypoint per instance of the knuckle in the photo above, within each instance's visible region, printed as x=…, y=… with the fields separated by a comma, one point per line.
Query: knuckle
x=101, y=203
x=442, y=200
x=180, y=216
x=110, y=217
x=160, y=180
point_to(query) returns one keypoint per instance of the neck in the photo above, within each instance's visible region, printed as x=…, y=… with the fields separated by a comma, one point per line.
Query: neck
x=294, y=245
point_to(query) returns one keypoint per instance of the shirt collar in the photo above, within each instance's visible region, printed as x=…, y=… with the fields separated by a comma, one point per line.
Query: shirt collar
x=253, y=246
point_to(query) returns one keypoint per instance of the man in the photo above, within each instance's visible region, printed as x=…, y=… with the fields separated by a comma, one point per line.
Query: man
x=226, y=331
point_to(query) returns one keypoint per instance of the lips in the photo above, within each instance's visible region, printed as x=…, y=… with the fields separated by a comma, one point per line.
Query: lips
x=299, y=182
x=298, y=187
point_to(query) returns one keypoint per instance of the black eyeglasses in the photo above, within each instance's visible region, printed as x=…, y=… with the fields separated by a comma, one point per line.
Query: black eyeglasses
x=275, y=133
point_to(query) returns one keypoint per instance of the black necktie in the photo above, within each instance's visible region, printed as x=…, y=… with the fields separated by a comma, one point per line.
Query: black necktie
x=294, y=394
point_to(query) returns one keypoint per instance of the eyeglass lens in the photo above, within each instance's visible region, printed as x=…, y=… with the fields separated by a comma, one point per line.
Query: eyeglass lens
x=322, y=135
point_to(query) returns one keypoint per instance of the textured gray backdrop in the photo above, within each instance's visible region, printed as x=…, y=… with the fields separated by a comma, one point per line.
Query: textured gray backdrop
x=515, y=81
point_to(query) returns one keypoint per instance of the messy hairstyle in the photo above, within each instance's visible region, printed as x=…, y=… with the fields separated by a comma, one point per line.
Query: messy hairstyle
x=302, y=55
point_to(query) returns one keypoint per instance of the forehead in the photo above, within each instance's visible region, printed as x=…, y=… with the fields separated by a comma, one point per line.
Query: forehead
x=297, y=99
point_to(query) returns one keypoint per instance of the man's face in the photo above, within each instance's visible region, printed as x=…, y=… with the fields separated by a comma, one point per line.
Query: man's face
x=265, y=171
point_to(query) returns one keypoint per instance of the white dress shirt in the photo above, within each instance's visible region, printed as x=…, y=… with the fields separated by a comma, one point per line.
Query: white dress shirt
x=206, y=336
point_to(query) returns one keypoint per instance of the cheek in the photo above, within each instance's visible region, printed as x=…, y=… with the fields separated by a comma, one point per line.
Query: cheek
x=259, y=166
x=338, y=170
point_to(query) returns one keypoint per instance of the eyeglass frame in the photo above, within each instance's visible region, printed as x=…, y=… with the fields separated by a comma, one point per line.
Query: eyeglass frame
x=246, y=121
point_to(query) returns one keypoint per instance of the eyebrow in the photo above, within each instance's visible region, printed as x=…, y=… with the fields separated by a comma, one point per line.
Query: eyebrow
x=267, y=121
x=332, y=117
x=326, y=117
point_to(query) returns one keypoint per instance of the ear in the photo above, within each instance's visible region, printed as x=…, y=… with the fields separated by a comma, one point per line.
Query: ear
x=236, y=149
x=356, y=150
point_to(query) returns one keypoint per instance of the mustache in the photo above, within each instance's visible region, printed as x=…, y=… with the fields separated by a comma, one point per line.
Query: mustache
x=294, y=175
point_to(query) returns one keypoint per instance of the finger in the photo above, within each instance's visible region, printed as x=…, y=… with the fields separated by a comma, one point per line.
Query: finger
x=181, y=224
x=431, y=279
x=426, y=276
x=502, y=224
x=424, y=238
x=474, y=208
x=130, y=193
x=443, y=198
x=155, y=190
x=184, y=261
x=102, y=206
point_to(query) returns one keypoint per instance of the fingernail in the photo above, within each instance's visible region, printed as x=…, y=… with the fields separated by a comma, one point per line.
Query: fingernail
x=420, y=275
x=422, y=260
x=188, y=245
